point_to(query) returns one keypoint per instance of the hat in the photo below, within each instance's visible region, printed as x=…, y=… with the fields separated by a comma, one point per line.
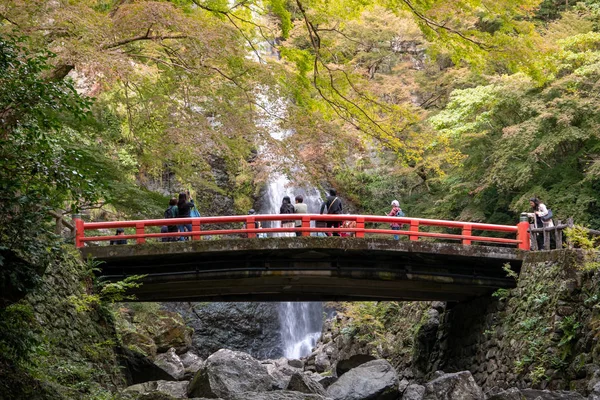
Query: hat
x=251, y=211
x=395, y=203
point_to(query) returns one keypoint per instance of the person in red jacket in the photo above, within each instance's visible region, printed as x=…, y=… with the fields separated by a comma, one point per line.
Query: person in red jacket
x=395, y=212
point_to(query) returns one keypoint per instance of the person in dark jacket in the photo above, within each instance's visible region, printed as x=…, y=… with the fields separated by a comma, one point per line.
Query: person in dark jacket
x=172, y=212
x=287, y=208
x=184, y=208
x=119, y=232
x=332, y=205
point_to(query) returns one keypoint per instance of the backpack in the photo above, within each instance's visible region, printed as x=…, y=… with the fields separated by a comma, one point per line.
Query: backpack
x=171, y=212
x=399, y=213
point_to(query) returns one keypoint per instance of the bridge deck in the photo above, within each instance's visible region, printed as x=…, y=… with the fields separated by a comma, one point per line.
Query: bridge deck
x=309, y=269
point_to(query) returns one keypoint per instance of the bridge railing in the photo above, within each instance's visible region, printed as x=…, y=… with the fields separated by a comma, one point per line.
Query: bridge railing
x=365, y=225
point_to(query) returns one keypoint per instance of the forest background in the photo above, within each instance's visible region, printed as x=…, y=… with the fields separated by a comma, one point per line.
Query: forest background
x=459, y=109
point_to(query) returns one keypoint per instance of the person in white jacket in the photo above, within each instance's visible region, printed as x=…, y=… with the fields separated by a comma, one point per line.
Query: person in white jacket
x=539, y=210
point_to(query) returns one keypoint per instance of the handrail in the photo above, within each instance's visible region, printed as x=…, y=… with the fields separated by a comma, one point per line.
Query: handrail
x=248, y=230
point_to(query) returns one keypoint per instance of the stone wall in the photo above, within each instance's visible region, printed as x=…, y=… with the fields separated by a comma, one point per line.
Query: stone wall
x=542, y=334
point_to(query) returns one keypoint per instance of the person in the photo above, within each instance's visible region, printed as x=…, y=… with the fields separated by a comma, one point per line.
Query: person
x=164, y=229
x=333, y=205
x=171, y=212
x=539, y=210
x=300, y=208
x=287, y=208
x=119, y=232
x=396, y=211
x=184, y=208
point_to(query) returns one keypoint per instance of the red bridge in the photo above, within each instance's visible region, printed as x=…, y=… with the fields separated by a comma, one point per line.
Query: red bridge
x=224, y=260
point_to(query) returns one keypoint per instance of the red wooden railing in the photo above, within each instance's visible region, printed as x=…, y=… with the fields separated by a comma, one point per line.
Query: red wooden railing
x=202, y=227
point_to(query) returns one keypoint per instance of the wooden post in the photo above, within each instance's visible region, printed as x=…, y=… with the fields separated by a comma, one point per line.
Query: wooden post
x=414, y=227
x=558, y=235
x=547, y=238
x=360, y=224
x=79, y=230
x=523, y=235
x=467, y=231
x=250, y=225
x=139, y=230
x=305, y=225
x=569, y=225
x=533, y=237
x=196, y=228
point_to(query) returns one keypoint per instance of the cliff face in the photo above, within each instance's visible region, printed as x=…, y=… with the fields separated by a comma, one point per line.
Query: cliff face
x=542, y=334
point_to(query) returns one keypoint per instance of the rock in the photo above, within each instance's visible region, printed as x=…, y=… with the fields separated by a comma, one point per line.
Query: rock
x=532, y=394
x=138, y=368
x=327, y=381
x=376, y=380
x=296, y=363
x=249, y=327
x=191, y=364
x=413, y=392
x=509, y=394
x=300, y=382
x=281, y=371
x=170, y=331
x=402, y=385
x=229, y=372
x=322, y=362
x=595, y=392
x=346, y=365
x=177, y=390
x=139, y=342
x=278, y=395
x=460, y=385
x=171, y=363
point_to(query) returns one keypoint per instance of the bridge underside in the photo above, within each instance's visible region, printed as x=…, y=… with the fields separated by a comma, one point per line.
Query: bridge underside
x=308, y=269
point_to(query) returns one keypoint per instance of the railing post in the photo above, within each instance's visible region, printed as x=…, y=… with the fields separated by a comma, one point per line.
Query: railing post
x=196, y=228
x=414, y=227
x=360, y=224
x=523, y=235
x=546, y=238
x=305, y=225
x=79, y=230
x=139, y=230
x=467, y=231
x=250, y=225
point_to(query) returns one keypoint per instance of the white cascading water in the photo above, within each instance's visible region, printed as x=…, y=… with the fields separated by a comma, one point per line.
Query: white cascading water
x=300, y=322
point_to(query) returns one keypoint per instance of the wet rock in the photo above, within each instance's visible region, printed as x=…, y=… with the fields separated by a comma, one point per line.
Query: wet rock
x=138, y=368
x=354, y=361
x=226, y=373
x=171, y=363
x=413, y=392
x=376, y=380
x=281, y=371
x=249, y=327
x=177, y=390
x=509, y=394
x=460, y=385
x=303, y=383
x=296, y=363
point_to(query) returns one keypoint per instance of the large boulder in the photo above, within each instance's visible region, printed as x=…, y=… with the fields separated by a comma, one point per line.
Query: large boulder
x=300, y=382
x=277, y=395
x=253, y=328
x=281, y=370
x=354, y=361
x=374, y=380
x=227, y=372
x=508, y=394
x=169, y=330
x=171, y=363
x=138, y=368
x=177, y=390
x=191, y=364
x=139, y=342
x=534, y=394
x=459, y=385
x=413, y=392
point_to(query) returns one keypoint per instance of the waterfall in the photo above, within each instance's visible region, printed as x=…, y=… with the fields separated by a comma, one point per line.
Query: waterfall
x=301, y=324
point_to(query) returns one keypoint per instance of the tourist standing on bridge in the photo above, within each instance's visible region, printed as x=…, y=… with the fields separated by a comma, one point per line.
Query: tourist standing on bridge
x=300, y=208
x=333, y=205
x=171, y=212
x=541, y=218
x=119, y=232
x=184, y=208
x=395, y=212
x=287, y=208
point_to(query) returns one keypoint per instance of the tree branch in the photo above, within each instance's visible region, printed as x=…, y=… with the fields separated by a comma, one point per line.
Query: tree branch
x=143, y=37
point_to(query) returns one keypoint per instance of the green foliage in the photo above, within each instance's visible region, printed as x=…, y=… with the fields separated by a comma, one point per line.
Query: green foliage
x=569, y=327
x=17, y=333
x=580, y=237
